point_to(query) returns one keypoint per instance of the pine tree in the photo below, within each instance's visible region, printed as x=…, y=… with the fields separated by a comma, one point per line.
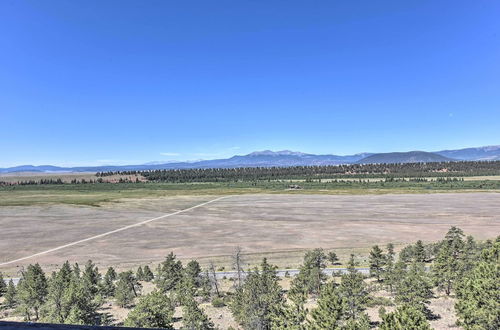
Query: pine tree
x=107, y=285
x=331, y=310
x=390, y=253
x=470, y=254
x=205, y=286
x=169, y=273
x=448, y=266
x=10, y=295
x=406, y=255
x=377, y=262
x=148, y=274
x=111, y=273
x=419, y=252
x=139, y=274
x=76, y=270
x=193, y=271
x=354, y=290
x=79, y=305
x=91, y=277
x=403, y=318
x=332, y=257
x=311, y=274
x=154, y=310
x=127, y=288
x=32, y=291
x=361, y=323
x=193, y=318
x=389, y=267
x=53, y=311
x=414, y=288
x=3, y=286
x=395, y=273
x=66, y=273
x=478, y=293
x=254, y=303
x=292, y=315
x=184, y=289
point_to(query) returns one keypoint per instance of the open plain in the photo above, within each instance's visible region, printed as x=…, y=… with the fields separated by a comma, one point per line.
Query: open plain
x=279, y=225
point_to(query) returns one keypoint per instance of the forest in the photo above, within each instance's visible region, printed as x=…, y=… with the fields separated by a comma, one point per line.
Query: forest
x=458, y=267
x=438, y=169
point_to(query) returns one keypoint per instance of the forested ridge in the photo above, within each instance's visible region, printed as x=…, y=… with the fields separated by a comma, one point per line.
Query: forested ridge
x=457, y=266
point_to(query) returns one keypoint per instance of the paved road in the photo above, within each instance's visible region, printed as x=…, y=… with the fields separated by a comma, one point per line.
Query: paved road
x=293, y=272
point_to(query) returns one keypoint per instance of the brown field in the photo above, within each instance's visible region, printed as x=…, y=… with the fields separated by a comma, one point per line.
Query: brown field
x=278, y=226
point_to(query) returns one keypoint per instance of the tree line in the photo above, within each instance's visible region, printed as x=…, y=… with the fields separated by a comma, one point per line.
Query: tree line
x=457, y=265
x=413, y=170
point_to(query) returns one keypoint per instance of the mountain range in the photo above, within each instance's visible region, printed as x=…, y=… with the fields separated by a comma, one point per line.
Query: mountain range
x=268, y=158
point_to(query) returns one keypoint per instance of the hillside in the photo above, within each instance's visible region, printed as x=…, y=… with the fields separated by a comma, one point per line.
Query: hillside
x=404, y=157
x=481, y=153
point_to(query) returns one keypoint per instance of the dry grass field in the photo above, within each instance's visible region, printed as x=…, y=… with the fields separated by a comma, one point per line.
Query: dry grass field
x=278, y=226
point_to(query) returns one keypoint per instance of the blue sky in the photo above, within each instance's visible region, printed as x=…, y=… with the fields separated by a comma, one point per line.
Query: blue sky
x=116, y=82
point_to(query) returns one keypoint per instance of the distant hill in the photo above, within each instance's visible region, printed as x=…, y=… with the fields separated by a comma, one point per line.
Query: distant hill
x=481, y=153
x=264, y=158
x=404, y=157
x=268, y=158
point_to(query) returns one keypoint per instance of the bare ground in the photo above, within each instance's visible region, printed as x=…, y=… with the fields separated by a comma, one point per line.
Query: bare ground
x=273, y=225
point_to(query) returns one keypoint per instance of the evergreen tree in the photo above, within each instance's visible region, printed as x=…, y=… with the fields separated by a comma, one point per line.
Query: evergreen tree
x=311, y=275
x=148, y=274
x=395, y=273
x=419, y=252
x=390, y=253
x=193, y=271
x=10, y=295
x=193, y=318
x=361, y=323
x=470, y=254
x=32, y=291
x=414, y=288
x=255, y=302
x=403, y=318
x=169, y=273
x=76, y=270
x=389, y=267
x=90, y=278
x=331, y=310
x=292, y=316
x=127, y=288
x=205, y=286
x=53, y=310
x=354, y=291
x=332, y=257
x=3, y=286
x=154, y=310
x=478, y=293
x=66, y=273
x=123, y=295
x=184, y=289
x=79, y=305
x=377, y=262
x=407, y=254
x=448, y=266
x=139, y=275
x=111, y=274
x=107, y=285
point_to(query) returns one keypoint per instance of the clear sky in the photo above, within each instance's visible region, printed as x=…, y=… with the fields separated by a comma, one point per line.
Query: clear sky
x=116, y=82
